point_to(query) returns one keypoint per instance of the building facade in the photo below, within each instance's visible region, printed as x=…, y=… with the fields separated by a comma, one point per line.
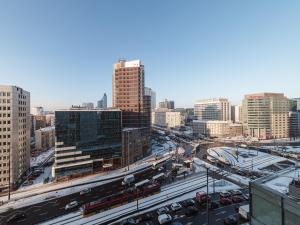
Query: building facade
x=87, y=141
x=236, y=113
x=167, y=104
x=14, y=135
x=166, y=118
x=134, y=145
x=212, y=109
x=150, y=92
x=294, y=124
x=129, y=96
x=44, y=138
x=102, y=104
x=37, y=111
x=265, y=115
x=211, y=128
x=88, y=105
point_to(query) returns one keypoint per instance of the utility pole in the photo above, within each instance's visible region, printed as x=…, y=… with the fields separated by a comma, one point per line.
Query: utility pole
x=128, y=161
x=207, y=205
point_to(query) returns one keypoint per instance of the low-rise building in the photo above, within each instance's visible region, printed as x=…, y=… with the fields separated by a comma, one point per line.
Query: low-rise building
x=166, y=118
x=134, y=145
x=87, y=141
x=275, y=199
x=44, y=138
x=211, y=128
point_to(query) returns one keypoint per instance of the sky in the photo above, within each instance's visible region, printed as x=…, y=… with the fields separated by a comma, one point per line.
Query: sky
x=62, y=51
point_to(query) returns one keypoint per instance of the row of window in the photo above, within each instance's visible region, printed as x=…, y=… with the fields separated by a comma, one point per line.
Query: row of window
x=5, y=94
x=4, y=122
x=5, y=129
x=4, y=108
x=4, y=114
x=4, y=136
x=4, y=100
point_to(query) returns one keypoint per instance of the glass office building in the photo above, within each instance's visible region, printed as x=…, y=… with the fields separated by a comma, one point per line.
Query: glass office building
x=87, y=141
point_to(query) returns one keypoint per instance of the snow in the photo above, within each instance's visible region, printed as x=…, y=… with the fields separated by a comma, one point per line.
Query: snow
x=36, y=161
x=282, y=180
x=244, y=159
x=38, y=193
x=169, y=194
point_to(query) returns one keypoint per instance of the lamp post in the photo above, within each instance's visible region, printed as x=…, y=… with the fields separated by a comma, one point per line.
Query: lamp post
x=207, y=205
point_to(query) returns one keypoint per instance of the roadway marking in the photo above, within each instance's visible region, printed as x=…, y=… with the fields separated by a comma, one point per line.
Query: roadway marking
x=36, y=210
x=203, y=213
x=43, y=213
x=20, y=221
x=218, y=219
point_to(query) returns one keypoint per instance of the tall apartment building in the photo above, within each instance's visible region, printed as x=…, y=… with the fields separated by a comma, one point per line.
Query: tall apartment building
x=167, y=118
x=14, y=134
x=150, y=92
x=102, y=104
x=212, y=109
x=86, y=141
x=265, y=115
x=168, y=104
x=129, y=96
x=294, y=124
x=44, y=138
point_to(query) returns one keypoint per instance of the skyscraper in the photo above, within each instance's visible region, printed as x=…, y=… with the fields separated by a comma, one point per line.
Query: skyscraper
x=14, y=134
x=129, y=96
x=265, y=115
x=128, y=92
x=102, y=104
x=212, y=109
x=152, y=94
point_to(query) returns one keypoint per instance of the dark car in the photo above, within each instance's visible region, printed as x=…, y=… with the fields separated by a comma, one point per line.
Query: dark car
x=191, y=210
x=146, y=217
x=225, y=201
x=230, y=220
x=214, y=205
x=188, y=202
x=15, y=217
x=237, y=199
x=129, y=221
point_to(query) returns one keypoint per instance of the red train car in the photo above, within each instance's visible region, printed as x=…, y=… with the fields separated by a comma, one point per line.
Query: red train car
x=120, y=198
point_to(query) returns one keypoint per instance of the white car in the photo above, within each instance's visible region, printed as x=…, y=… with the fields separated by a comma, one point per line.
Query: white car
x=164, y=218
x=162, y=210
x=175, y=207
x=71, y=205
x=85, y=191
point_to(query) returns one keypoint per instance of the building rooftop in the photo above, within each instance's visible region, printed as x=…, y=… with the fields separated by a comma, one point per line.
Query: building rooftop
x=279, y=182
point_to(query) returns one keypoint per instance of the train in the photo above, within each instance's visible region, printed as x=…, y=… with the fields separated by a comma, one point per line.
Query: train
x=140, y=190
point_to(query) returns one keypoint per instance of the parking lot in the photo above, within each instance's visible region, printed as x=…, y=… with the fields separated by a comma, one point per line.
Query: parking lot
x=188, y=212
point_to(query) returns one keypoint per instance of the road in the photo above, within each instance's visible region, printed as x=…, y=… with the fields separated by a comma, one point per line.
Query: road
x=56, y=207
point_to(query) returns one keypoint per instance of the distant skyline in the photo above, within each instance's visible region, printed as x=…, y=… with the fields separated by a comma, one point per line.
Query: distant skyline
x=63, y=52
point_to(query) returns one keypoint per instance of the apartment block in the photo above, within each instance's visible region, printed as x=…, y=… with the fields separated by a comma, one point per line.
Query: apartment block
x=14, y=135
x=212, y=109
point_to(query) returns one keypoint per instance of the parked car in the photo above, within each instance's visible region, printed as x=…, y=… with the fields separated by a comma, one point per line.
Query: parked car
x=214, y=205
x=85, y=191
x=235, y=192
x=164, y=218
x=162, y=210
x=225, y=194
x=175, y=206
x=230, y=220
x=27, y=183
x=146, y=217
x=188, y=202
x=129, y=221
x=237, y=199
x=225, y=201
x=71, y=205
x=15, y=217
x=191, y=210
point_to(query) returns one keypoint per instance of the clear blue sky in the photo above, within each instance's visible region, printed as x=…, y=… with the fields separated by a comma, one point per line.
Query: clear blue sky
x=62, y=51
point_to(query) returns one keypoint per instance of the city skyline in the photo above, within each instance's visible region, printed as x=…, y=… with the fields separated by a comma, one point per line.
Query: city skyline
x=64, y=53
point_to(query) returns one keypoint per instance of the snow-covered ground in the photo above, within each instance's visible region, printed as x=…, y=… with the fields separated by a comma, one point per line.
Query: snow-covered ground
x=39, y=181
x=290, y=149
x=244, y=159
x=173, y=193
x=254, y=139
x=36, y=161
